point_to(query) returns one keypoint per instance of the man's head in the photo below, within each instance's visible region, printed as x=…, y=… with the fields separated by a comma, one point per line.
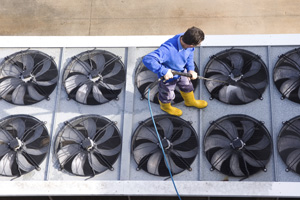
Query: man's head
x=193, y=36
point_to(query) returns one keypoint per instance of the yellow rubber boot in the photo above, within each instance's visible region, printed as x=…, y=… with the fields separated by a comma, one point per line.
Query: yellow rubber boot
x=189, y=100
x=170, y=109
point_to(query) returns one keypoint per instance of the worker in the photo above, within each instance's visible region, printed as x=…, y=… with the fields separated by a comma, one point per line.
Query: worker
x=176, y=54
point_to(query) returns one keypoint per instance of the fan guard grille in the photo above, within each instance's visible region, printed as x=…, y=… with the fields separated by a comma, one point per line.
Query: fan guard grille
x=27, y=77
x=238, y=145
x=24, y=144
x=245, y=73
x=144, y=78
x=94, y=77
x=286, y=75
x=179, y=140
x=88, y=145
x=288, y=144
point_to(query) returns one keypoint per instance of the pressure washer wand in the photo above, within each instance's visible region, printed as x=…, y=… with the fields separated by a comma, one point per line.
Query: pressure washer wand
x=198, y=77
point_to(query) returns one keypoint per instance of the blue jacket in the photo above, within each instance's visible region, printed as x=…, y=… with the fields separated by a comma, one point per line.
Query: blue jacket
x=170, y=55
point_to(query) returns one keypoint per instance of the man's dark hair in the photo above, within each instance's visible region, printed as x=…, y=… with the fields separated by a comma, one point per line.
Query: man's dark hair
x=193, y=36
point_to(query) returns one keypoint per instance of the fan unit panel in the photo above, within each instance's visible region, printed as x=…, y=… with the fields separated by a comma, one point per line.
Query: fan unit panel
x=288, y=144
x=24, y=144
x=238, y=145
x=27, y=77
x=94, y=77
x=145, y=79
x=286, y=75
x=179, y=140
x=88, y=145
x=245, y=73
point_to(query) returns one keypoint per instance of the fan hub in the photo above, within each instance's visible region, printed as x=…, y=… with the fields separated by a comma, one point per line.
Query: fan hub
x=15, y=144
x=26, y=78
x=166, y=143
x=236, y=75
x=237, y=144
x=88, y=144
x=95, y=78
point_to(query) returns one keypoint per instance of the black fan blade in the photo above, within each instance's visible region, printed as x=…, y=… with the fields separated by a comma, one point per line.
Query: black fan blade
x=47, y=83
x=186, y=154
x=109, y=131
x=45, y=68
x=216, y=141
x=67, y=152
x=293, y=159
x=70, y=134
x=23, y=163
x=220, y=157
x=228, y=128
x=219, y=68
x=19, y=125
x=80, y=67
x=146, y=77
x=237, y=61
x=83, y=92
x=78, y=163
x=235, y=165
x=100, y=62
x=147, y=133
x=253, y=161
x=28, y=64
x=175, y=169
x=262, y=144
x=36, y=152
x=33, y=93
x=37, y=134
x=153, y=162
x=294, y=58
x=143, y=150
x=6, y=162
x=75, y=81
x=167, y=127
x=288, y=142
x=95, y=164
x=10, y=70
x=231, y=92
x=90, y=126
x=285, y=72
x=289, y=85
x=4, y=149
x=249, y=128
x=109, y=152
x=186, y=135
x=18, y=94
x=115, y=70
x=254, y=69
x=211, y=85
x=98, y=95
x=8, y=85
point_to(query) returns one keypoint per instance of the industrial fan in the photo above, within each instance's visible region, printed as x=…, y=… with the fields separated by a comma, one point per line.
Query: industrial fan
x=27, y=77
x=88, y=145
x=94, y=77
x=24, y=144
x=288, y=144
x=238, y=145
x=179, y=140
x=286, y=75
x=245, y=73
x=144, y=78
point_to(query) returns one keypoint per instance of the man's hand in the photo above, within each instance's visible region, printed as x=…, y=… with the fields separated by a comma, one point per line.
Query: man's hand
x=194, y=74
x=168, y=75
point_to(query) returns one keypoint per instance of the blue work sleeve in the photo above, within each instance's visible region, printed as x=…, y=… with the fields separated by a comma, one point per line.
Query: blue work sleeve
x=190, y=62
x=153, y=61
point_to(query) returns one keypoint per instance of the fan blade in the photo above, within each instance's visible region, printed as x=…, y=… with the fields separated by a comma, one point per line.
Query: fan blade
x=147, y=133
x=262, y=144
x=28, y=63
x=83, y=92
x=143, y=150
x=19, y=125
x=47, y=83
x=97, y=94
x=285, y=72
x=23, y=163
x=80, y=67
x=106, y=136
x=116, y=69
x=90, y=126
x=186, y=135
x=68, y=152
x=289, y=85
x=236, y=60
x=4, y=149
x=228, y=128
x=18, y=94
x=8, y=85
x=6, y=162
x=74, y=81
x=153, y=93
x=78, y=163
x=295, y=58
x=211, y=85
x=153, y=163
x=36, y=152
x=293, y=159
x=186, y=154
x=45, y=68
x=111, y=86
x=288, y=142
x=235, y=165
x=167, y=126
x=248, y=130
x=95, y=164
x=254, y=69
x=216, y=141
x=33, y=93
x=252, y=161
x=10, y=70
x=146, y=77
x=230, y=92
x=99, y=59
x=70, y=134
x=219, y=157
x=175, y=169
x=37, y=134
x=219, y=67
x=5, y=137
x=109, y=152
